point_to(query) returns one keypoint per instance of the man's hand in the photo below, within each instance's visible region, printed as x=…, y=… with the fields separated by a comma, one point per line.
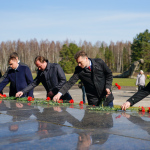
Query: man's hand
x=56, y=97
x=125, y=105
x=19, y=94
x=108, y=92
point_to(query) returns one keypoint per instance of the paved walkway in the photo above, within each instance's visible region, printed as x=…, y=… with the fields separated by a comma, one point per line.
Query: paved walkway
x=120, y=96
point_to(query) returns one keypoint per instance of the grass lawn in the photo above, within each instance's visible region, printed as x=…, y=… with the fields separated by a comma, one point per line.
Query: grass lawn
x=120, y=81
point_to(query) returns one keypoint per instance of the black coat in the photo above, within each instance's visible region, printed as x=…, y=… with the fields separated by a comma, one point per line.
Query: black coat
x=52, y=78
x=101, y=77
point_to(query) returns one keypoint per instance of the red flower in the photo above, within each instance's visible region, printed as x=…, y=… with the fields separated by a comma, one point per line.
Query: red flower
x=60, y=101
x=71, y=101
x=30, y=98
x=116, y=84
x=119, y=87
x=93, y=105
x=48, y=98
x=81, y=102
x=149, y=109
x=4, y=95
x=143, y=109
x=1, y=95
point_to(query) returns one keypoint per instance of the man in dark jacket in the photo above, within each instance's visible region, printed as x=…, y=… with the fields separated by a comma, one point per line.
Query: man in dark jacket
x=52, y=77
x=96, y=77
x=19, y=77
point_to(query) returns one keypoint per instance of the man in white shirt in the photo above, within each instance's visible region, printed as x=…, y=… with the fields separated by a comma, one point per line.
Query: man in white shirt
x=140, y=82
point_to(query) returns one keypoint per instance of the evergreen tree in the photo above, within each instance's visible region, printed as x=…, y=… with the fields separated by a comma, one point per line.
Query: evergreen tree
x=68, y=63
x=141, y=49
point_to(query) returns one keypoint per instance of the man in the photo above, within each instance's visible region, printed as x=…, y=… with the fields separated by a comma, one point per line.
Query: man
x=19, y=77
x=14, y=54
x=140, y=81
x=97, y=80
x=52, y=77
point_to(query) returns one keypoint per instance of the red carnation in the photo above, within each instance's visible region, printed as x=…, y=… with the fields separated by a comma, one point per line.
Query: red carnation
x=116, y=84
x=30, y=98
x=60, y=101
x=119, y=87
x=81, y=102
x=71, y=101
x=4, y=95
x=48, y=98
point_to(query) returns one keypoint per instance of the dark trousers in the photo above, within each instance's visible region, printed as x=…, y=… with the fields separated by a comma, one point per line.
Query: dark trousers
x=83, y=94
x=140, y=87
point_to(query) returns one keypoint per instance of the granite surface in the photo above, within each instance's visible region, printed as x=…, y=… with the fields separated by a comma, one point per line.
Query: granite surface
x=24, y=126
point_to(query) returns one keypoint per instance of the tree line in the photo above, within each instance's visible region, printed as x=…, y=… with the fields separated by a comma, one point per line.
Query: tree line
x=118, y=56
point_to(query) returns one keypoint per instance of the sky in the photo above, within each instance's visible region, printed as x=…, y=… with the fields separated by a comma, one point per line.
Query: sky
x=79, y=20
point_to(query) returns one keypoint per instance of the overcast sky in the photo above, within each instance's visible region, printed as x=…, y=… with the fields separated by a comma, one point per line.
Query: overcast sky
x=58, y=20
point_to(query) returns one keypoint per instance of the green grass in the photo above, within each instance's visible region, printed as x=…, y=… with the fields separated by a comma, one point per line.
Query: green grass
x=126, y=81
x=120, y=81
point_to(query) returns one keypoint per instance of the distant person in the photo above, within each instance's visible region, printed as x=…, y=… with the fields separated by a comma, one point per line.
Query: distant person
x=80, y=85
x=52, y=77
x=19, y=77
x=96, y=77
x=140, y=82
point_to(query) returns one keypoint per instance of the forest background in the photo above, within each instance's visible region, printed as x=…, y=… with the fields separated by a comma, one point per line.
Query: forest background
x=118, y=56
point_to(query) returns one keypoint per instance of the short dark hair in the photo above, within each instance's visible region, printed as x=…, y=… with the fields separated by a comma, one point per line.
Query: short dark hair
x=11, y=58
x=39, y=58
x=14, y=54
x=80, y=53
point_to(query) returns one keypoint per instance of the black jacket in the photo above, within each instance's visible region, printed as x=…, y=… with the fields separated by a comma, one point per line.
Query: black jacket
x=101, y=76
x=52, y=78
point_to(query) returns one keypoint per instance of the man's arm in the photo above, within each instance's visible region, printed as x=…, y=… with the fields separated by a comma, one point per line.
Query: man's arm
x=5, y=75
x=138, y=96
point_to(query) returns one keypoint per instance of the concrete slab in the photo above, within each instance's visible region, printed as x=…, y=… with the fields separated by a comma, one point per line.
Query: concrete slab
x=24, y=126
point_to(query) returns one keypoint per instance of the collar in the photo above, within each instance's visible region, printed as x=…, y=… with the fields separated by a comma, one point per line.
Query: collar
x=17, y=68
x=90, y=63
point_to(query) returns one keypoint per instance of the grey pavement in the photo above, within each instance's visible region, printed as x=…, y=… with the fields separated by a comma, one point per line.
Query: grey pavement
x=120, y=96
